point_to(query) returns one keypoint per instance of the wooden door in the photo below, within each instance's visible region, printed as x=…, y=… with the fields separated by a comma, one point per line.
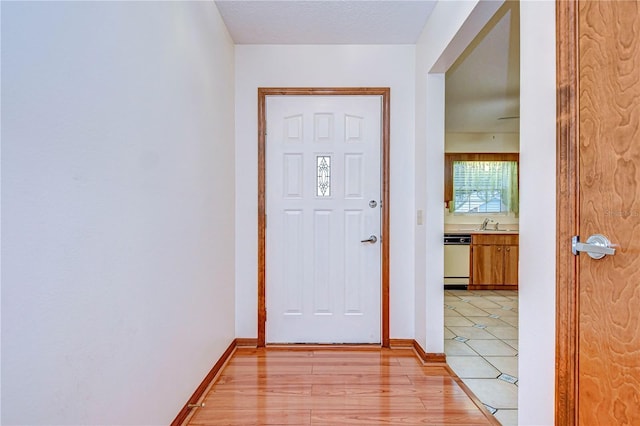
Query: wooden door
x=598, y=340
x=323, y=219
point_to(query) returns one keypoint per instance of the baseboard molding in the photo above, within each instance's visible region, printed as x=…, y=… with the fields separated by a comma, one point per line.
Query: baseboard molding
x=401, y=343
x=436, y=357
x=413, y=344
x=428, y=357
x=246, y=342
x=200, y=390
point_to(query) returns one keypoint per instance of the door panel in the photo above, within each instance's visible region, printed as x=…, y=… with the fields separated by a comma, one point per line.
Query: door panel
x=609, y=204
x=323, y=284
x=511, y=265
x=487, y=264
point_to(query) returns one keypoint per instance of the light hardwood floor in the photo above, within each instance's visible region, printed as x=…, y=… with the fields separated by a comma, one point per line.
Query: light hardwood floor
x=328, y=386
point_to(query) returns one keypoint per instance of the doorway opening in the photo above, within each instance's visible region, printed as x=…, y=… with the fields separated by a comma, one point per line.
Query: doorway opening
x=481, y=186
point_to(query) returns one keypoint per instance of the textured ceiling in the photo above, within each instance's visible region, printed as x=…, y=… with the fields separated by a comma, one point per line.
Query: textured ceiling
x=325, y=22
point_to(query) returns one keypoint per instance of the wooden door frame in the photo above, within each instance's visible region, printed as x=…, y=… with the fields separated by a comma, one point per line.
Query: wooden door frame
x=384, y=92
x=567, y=199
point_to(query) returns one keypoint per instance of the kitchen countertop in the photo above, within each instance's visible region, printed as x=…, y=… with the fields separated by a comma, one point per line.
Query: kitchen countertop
x=473, y=229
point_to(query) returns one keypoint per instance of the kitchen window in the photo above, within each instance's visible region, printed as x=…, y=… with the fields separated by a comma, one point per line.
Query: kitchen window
x=481, y=183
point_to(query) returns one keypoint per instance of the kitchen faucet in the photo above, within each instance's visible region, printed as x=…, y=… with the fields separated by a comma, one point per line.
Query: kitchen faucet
x=483, y=227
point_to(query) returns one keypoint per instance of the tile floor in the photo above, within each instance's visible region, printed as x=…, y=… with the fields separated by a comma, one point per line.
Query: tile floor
x=481, y=344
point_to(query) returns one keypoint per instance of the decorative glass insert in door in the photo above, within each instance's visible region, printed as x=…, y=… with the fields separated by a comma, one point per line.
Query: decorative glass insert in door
x=323, y=187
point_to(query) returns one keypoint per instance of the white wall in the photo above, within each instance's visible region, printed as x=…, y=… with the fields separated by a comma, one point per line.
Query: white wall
x=537, y=149
x=447, y=33
x=117, y=209
x=326, y=66
x=482, y=142
x=537, y=226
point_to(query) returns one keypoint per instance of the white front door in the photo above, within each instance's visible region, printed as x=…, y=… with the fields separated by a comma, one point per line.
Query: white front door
x=322, y=200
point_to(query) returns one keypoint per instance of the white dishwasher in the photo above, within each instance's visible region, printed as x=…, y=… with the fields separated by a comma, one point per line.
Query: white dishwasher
x=456, y=260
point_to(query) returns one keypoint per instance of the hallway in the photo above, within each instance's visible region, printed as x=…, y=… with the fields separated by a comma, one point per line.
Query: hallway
x=320, y=386
x=130, y=203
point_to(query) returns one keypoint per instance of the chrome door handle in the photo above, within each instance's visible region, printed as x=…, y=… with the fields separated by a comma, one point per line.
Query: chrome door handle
x=597, y=246
x=372, y=239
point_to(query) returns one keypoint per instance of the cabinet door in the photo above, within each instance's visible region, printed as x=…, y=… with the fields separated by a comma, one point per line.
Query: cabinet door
x=487, y=265
x=511, y=265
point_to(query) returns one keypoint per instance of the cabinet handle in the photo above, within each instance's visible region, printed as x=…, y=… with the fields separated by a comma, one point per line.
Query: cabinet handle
x=508, y=249
x=499, y=248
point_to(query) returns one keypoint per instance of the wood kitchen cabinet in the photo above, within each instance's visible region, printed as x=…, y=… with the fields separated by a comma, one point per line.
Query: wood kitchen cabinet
x=494, y=262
